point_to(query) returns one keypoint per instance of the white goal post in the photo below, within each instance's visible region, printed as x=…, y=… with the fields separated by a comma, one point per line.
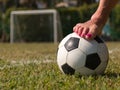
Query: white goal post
x=35, y=12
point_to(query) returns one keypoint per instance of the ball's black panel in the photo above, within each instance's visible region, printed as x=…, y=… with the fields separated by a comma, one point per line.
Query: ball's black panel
x=98, y=39
x=67, y=69
x=72, y=43
x=92, y=61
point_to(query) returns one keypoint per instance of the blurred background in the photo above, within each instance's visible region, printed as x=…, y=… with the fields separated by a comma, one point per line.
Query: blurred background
x=70, y=13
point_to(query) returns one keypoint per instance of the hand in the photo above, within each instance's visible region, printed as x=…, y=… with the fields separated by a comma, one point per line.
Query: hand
x=88, y=30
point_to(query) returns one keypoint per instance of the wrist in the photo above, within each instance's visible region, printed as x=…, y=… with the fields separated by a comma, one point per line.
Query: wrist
x=100, y=17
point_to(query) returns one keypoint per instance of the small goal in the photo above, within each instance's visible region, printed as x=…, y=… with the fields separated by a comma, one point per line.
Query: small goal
x=35, y=26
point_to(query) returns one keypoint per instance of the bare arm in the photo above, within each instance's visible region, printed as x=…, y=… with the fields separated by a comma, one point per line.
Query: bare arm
x=93, y=27
x=104, y=9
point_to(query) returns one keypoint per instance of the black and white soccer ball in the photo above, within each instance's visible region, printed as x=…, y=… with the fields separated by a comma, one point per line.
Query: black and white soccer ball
x=76, y=54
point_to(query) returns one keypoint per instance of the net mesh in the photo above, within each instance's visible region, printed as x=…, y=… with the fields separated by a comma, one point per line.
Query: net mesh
x=35, y=28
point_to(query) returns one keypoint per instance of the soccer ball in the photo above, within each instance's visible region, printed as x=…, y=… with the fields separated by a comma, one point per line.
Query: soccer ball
x=77, y=55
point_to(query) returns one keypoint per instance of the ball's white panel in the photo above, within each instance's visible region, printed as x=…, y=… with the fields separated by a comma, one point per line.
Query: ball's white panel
x=85, y=71
x=64, y=40
x=101, y=68
x=61, y=56
x=88, y=47
x=76, y=58
x=103, y=52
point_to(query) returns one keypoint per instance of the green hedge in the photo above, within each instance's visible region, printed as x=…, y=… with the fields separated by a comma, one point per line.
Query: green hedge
x=115, y=23
x=7, y=20
x=28, y=31
x=0, y=24
x=71, y=16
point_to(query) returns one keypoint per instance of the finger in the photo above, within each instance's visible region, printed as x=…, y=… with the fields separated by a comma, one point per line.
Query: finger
x=77, y=29
x=84, y=32
x=91, y=34
x=80, y=30
x=74, y=28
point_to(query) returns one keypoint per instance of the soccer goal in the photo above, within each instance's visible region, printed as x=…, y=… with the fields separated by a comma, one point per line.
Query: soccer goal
x=35, y=26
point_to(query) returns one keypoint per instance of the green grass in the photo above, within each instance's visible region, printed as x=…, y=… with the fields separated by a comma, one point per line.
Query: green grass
x=22, y=67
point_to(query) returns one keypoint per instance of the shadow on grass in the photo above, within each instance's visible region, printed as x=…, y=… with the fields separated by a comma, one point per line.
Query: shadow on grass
x=111, y=75
x=105, y=75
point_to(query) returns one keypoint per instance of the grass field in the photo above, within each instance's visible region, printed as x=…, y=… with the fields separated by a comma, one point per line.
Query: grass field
x=33, y=67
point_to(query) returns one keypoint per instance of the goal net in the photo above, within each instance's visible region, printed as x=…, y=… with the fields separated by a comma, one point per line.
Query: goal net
x=35, y=26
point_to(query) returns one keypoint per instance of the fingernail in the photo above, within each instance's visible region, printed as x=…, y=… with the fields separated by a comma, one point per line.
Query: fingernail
x=89, y=35
x=82, y=35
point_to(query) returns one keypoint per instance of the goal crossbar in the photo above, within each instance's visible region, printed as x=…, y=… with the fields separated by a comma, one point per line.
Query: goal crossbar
x=25, y=12
x=28, y=12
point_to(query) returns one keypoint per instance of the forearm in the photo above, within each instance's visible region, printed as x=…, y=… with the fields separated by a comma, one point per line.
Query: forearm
x=93, y=27
x=104, y=9
x=106, y=6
